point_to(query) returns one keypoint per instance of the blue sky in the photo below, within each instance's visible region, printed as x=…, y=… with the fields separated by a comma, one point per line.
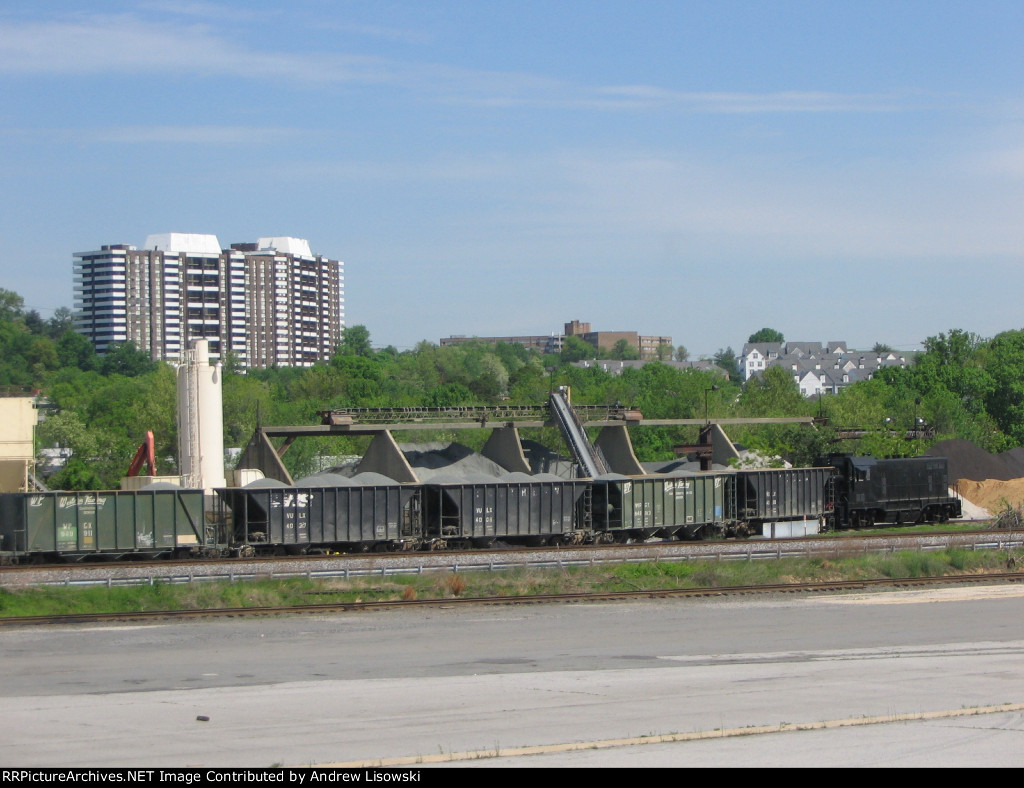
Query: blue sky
x=835, y=170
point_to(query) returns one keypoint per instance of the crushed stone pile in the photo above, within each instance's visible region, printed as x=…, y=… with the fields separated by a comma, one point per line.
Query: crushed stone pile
x=453, y=463
x=450, y=461
x=968, y=461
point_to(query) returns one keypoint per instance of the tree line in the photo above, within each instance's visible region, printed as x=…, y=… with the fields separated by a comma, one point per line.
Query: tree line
x=961, y=386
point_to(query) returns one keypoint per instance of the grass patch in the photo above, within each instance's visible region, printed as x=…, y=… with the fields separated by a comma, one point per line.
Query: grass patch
x=650, y=576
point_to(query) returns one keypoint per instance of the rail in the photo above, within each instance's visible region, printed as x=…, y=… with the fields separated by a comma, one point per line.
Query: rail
x=746, y=551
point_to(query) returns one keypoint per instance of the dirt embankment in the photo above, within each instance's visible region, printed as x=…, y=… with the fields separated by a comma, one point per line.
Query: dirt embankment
x=993, y=494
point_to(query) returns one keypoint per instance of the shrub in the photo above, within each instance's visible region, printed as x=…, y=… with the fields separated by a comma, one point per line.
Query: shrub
x=455, y=584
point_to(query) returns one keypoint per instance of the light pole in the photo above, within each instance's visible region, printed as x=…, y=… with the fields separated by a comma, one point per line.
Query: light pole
x=707, y=421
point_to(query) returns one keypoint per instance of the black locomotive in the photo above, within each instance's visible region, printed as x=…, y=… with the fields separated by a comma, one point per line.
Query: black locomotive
x=865, y=491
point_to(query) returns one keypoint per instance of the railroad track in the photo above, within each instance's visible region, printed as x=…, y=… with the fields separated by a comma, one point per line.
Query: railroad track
x=383, y=564
x=449, y=602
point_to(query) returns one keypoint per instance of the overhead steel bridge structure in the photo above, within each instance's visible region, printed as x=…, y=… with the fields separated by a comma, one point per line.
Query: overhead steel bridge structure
x=612, y=452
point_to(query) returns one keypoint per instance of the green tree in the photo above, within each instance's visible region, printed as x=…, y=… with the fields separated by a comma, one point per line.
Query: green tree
x=492, y=380
x=1004, y=401
x=576, y=349
x=953, y=362
x=726, y=359
x=247, y=404
x=61, y=322
x=12, y=305
x=124, y=358
x=529, y=384
x=355, y=341
x=75, y=350
x=41, y=356
x=33, y=322
x=77, y=474
x=772, y=393
x=448, y=395
x=766, y=335
x=624, y=351
x=512, y=355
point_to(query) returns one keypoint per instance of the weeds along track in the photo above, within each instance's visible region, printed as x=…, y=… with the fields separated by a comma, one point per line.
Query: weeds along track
x=348, y=566
x=574, y=598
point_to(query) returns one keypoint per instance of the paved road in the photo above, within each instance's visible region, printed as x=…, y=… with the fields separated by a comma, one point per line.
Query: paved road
x=909, y=679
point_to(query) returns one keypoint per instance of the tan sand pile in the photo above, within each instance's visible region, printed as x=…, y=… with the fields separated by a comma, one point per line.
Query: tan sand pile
x=993, y=494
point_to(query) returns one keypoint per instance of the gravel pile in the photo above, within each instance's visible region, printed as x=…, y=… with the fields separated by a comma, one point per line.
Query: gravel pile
x=968, y=461
x=451, y=462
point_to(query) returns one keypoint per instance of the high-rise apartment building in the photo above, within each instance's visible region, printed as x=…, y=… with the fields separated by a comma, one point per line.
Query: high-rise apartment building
x=269, y=303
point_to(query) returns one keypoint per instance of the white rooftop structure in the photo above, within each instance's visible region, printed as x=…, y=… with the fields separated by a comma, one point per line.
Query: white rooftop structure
x=299, y=247
x=189, y=243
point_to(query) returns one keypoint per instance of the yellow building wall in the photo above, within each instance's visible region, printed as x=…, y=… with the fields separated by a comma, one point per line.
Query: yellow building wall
x=17, y=421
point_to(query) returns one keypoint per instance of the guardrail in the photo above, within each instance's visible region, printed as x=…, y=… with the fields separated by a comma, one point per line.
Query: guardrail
x=751, y=551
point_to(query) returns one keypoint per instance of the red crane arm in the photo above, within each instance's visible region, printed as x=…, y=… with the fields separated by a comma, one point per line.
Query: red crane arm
x=145, y=455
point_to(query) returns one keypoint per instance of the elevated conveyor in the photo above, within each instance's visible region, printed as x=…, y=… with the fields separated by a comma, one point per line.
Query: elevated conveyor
x=612, y=452
x=586, y=455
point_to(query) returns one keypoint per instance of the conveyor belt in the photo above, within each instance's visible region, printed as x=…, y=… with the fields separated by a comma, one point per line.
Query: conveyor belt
x=589, y=457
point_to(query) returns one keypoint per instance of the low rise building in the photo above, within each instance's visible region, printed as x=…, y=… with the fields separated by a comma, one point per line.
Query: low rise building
x=646, y=347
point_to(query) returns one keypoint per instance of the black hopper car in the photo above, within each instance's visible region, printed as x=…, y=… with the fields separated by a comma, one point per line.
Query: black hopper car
x=843, y=491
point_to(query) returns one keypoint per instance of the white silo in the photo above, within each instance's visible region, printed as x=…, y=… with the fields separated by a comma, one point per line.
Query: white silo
x=200, y=419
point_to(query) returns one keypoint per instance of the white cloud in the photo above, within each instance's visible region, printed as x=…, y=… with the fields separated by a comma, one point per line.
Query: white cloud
x=1003, y=163
x=192, y=8
x=664, y=205
x=380, y=32
x=645, y=96
x=127, y=45
x=193, y=135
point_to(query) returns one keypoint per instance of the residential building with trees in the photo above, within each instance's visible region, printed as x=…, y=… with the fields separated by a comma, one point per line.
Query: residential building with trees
x=820, y=368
